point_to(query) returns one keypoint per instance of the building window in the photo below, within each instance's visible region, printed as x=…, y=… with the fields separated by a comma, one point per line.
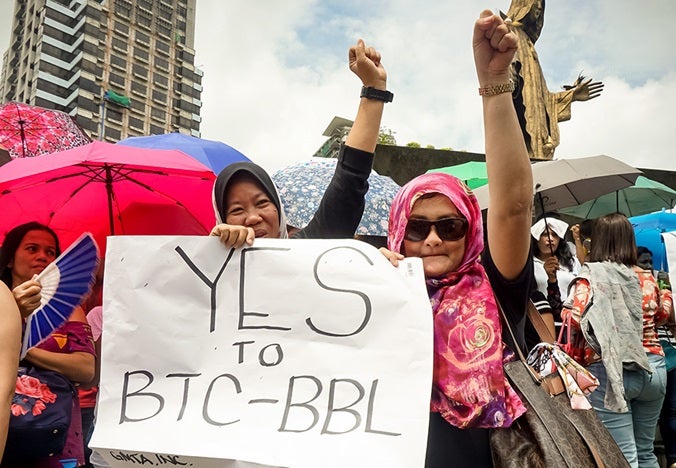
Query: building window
x=136, y=124
x=123, y=8
x=118, y=62
x=113, y=114
x=161, y=63
x=119, y=44
x=138, y=106
x=138, y=88
x=186, y=56
x=142, y=38
x=155, y=130
x=143, y=17
x=163, y=27
x=161, y=80
x=159, y=96
x=162, y=47
x=158, y=114
x=113, y=134
x=117, y=80
x=139, y=71
x=141, y=54
x=121, y=28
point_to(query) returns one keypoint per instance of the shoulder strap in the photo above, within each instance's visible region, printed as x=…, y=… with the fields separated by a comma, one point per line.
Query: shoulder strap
x=517, y=348
x=540, y=326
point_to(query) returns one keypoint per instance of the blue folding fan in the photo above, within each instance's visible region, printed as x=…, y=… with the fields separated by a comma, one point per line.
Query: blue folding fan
x=64, y=282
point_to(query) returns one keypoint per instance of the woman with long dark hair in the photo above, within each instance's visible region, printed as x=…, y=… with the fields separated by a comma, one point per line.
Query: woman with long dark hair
x=553, y=260
x=614, y=309
x=69, y=350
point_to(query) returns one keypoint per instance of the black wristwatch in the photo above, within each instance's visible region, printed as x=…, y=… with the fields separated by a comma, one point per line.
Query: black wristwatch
x=378, y=94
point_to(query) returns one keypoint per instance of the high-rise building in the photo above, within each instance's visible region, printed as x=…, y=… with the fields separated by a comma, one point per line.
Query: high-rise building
x=86, y=57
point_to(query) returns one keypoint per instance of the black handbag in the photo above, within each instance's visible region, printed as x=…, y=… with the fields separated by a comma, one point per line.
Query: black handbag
x=550, y=433
x=40, y=415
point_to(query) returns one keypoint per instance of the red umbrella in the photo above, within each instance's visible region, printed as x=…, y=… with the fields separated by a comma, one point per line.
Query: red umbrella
x=27, y=130
x=108, y=189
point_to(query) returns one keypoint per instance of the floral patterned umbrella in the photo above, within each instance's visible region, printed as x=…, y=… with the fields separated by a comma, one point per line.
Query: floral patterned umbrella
x=27, y=130
x=301, y=186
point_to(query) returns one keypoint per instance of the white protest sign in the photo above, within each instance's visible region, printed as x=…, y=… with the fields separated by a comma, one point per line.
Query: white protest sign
x=294, y=353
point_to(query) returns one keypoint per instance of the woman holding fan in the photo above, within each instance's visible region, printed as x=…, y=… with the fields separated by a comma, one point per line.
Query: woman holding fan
x=69, y=350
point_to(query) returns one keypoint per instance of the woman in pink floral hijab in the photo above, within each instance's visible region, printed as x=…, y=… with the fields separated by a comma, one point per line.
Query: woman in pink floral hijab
x=436, y=217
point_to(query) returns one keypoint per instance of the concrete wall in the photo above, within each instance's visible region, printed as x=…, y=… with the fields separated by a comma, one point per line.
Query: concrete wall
x=402, y=163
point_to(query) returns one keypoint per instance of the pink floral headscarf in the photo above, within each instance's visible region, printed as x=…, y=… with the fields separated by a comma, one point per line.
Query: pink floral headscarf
x=469, y=388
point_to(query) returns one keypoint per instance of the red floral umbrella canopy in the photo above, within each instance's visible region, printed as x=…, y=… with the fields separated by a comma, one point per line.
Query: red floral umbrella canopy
x=27, y=130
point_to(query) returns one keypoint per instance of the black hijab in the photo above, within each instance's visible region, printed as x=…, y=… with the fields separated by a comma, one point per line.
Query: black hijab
x=231, y=173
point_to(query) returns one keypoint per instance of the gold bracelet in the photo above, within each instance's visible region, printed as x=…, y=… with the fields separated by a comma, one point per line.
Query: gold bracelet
x=497, y=89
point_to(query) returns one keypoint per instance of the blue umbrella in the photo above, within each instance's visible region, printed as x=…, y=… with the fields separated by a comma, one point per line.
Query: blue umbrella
x=648, y=229
x=213, y=154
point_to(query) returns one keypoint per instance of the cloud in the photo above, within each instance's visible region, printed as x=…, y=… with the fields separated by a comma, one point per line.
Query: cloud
x=276, y=73
x=426, y=49
x=629, y=123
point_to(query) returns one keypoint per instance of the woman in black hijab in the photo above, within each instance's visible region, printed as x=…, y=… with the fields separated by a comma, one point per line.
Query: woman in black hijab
x=246, y=201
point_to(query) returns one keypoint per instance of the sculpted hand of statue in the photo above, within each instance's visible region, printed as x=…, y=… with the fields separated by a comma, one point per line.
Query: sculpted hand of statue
x=584, y=90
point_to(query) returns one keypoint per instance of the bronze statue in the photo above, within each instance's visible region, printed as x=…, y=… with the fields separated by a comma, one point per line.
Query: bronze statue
x=540, y=110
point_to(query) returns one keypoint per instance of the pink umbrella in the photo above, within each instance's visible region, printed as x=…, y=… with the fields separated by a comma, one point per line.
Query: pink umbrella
x=27, y=130
x=108, y=189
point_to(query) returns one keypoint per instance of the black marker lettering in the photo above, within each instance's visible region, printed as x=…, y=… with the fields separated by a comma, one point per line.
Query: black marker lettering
x=207, y=281
x=364, y=297
x=289, y=405
x=138, y=393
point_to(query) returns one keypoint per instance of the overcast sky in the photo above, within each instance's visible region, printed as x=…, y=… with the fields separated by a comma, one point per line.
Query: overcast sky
x=275, y=73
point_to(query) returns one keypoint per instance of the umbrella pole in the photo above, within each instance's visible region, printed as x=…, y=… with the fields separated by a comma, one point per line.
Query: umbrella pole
x=544, y=216
x=23, y=138
x=109, y=191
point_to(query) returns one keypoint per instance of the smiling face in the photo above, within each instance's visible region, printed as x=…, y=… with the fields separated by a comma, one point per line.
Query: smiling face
x=36, y=250
x=247, y=204
x=439, y=257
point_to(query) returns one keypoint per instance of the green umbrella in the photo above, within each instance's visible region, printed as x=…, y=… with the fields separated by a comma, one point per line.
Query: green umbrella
x=472, y=173
x=645, y=196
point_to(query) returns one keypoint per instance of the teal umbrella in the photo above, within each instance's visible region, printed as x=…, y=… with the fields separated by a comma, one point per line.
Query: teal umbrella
x=645, y=196
x=472, y=173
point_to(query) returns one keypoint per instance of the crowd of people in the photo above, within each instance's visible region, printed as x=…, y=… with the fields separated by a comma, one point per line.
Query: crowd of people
x=595, y=285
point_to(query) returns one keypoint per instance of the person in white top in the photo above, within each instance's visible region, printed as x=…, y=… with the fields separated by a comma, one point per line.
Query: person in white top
x=554, y=262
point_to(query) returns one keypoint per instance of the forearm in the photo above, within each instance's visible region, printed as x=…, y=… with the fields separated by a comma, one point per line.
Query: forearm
x=554, y=298
x=580, y=251
x=366, y=128
x=9, y=361
x=511, y=185
x=78, y=367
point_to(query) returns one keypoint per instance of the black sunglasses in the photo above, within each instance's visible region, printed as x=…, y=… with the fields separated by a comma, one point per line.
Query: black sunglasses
x=448, y=229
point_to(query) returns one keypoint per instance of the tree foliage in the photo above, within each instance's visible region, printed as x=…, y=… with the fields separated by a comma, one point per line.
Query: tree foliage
x=386, y=137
